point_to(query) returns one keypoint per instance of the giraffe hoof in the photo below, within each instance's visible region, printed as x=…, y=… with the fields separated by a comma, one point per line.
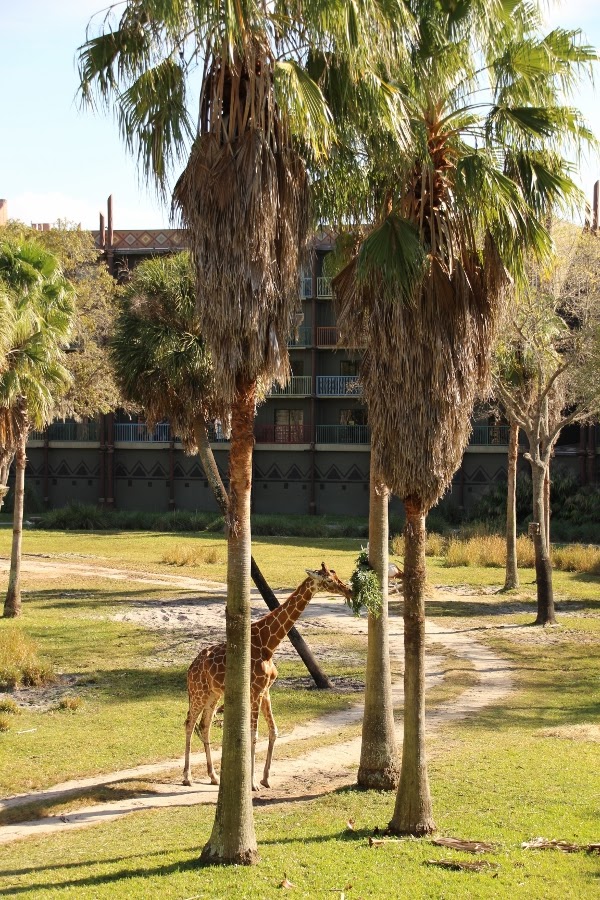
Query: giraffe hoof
x=265, y=782
x=214, y=780
x=187, y=782
x=255, y=787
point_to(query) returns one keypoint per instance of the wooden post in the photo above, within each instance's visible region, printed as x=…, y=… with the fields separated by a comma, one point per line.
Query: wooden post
x=595, y=207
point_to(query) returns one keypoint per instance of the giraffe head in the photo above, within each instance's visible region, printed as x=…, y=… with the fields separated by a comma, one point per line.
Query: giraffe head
x=327, y=581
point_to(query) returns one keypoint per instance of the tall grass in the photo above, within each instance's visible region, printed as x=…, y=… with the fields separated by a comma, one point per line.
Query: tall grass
x=192, y=556
x=20, y=663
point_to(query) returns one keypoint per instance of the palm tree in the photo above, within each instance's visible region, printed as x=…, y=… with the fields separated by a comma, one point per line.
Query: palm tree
x=163, y=366
x=425, y=287
x=244, y=197
x=35, y=376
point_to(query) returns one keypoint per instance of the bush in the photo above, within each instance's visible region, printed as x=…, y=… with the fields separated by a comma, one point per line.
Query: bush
x=192, y=556
x=9, y=706
x=20, y=664
x=577, y=558
x=5, y=723
x=488, y=551
x=72, y=704
x=33, y=500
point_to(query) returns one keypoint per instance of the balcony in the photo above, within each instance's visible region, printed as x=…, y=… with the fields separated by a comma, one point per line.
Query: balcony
x=68, y=431
x=338, y=386
x=297, y=386
x=324, y=290
x=327, y=336
x=343, y=434
x=490, y=435
x=138, y=432
x=283, y=434
x=304, y=338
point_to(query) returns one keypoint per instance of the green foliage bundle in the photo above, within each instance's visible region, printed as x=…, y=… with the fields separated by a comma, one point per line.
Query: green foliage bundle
x=366, y=590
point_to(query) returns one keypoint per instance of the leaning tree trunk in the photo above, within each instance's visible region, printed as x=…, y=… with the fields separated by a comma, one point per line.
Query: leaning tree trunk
x=213, y=476
x=12, y=603
x=379, y=754
x=413, y=811
x=543, y=568
x=233, y=839
x=511, y=580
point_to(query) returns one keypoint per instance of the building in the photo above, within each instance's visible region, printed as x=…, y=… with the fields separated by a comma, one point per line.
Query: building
x=312, y=440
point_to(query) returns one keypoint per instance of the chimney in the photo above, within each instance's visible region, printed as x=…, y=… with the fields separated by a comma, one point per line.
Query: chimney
x=3, y=212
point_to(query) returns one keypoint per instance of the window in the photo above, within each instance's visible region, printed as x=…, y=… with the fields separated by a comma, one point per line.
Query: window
x=289, y=426
x=356, y=416
x=297, y=366
x=349, y=367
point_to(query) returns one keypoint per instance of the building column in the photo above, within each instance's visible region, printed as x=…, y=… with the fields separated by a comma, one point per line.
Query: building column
x=46, y=470
x=591, y=454
x=171, y=474
x=110, y=461
x=102, y=460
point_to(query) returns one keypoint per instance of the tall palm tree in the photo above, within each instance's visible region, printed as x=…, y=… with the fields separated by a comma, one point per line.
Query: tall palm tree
x=425, y=287
x=244, y=197
x=163, y=366
x=35, y=376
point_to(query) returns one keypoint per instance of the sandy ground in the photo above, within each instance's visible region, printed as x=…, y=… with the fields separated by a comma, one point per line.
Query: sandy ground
x=310, y=773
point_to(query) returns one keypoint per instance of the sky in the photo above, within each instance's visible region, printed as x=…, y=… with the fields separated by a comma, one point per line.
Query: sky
x=60, y=162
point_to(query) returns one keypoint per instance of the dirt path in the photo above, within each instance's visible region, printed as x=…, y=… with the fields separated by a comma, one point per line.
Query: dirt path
x=309, y=773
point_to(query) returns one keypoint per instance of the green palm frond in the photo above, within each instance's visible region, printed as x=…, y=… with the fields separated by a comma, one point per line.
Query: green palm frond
x=309, y=116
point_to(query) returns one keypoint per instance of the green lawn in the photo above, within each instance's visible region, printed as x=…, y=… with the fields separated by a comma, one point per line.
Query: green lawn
x=525, y=768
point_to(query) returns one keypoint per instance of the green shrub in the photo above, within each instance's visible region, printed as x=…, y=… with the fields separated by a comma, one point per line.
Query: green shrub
x=9, y=706
x=20, y=664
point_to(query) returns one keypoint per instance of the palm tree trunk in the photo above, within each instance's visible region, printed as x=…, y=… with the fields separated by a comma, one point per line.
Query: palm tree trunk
x=413, y=811
x=233, y=839
x=511, y=581
x=543, y=568
x=213, y=476
x=12, y=603
x=378, y=754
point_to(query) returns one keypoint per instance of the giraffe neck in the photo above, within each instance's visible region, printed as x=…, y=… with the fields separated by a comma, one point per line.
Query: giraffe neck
x=281, y=620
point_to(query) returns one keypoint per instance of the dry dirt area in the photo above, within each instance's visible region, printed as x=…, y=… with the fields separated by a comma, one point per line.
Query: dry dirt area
x=309, y=773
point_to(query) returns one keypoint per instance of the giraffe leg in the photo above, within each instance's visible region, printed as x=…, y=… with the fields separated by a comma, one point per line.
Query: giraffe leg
x=193, y=713
x=205, y=723
x=254, y=733
x=268, y=714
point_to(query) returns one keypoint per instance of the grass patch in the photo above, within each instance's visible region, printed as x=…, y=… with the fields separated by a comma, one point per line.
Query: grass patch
x=20, y=661
x=193, y=556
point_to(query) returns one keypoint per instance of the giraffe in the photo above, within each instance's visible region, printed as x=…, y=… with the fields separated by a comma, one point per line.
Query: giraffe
x=206, y=675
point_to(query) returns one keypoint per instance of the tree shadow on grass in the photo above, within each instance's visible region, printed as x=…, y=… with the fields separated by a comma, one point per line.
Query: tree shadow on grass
x=93, y=598
x=185, y=865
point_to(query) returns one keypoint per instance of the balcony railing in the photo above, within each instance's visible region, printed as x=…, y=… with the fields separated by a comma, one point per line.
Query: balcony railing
x=338, y=386
x=297, y=386
x=283, y=434
x=138, y=432
x=327, y=336
x=490, y=435
x=324, y=287
x=343, y=434
x=215, y=434
x=68, y=431
x=304, y=338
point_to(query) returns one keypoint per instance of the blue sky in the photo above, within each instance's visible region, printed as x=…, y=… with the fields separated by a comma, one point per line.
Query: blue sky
x=59, y=162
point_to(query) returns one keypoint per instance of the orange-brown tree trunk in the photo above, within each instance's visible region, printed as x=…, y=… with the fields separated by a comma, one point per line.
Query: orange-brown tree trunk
x=413, y=811
x=233, y=839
